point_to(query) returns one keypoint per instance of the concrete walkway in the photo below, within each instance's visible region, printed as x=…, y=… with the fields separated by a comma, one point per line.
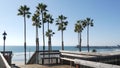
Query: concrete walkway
x=44, y=66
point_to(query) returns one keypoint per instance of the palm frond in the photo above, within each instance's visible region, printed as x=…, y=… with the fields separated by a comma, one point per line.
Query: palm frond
x=92, y=24
x=49, y=33
x=59, y=28
x=24, y=11
x=78, y=26
x=61, y=22
x=34, y=24
x=65, y=23
x=64, y=28
x=88, y=19
x=57, y=23
x=42, y=7
x=28, y=16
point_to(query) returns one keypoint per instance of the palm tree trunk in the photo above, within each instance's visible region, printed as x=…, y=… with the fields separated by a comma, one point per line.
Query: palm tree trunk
x=62, y=40
x=48, y=45
x=48, y=37
x=25, y=37
x=78, y=39
x=88, y=37
x=80, y=42
x=43, y=39
x=37, y=45
x=37, y=39
x=43, y=34
x=48, y=25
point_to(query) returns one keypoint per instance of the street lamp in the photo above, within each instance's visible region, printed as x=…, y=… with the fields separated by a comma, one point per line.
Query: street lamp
x=4, y=38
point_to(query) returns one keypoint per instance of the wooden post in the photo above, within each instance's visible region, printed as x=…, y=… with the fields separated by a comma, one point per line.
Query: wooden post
x=61, y=61
x=42, y=61
x=70, y=64
x=57, y=60
x=77, y=66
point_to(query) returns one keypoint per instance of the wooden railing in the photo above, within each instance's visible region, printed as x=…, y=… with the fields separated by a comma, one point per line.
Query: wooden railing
x=50, y=57
x=91, y=64
x=3, y=62
x=8, y=56
x=32, y=60
x=90, y=60
x=85, y=59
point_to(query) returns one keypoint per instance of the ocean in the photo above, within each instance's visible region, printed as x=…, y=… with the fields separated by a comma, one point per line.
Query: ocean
x=18, y=51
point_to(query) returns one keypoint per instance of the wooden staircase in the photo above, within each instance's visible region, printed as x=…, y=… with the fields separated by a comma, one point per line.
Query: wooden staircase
x=32, y=60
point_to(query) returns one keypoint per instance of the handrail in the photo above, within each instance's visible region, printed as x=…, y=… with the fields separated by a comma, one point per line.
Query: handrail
x=3, y=62
x=7, y=55
x=50, y=51
x=69, y=56
x=83, y=53
x=76, y=55
x=46, y=52
x=32, y=59
x=94, y=64
x=98, y=57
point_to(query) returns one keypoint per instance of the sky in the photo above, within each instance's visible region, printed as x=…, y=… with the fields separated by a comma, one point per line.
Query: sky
x=105, y=13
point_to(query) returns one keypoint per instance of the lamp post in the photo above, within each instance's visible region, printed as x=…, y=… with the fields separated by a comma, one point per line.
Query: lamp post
x=4, y=38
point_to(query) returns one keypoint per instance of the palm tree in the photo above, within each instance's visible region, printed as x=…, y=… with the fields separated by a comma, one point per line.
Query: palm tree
x=24, y=11
x=49, y=20
x=49, y=34
x=86, y=23
x=62, y=23
x=78, y=29
x=41, y=8
x=36, y=22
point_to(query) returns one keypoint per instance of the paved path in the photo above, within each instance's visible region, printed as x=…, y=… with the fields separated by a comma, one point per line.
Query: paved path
x=45, y=66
